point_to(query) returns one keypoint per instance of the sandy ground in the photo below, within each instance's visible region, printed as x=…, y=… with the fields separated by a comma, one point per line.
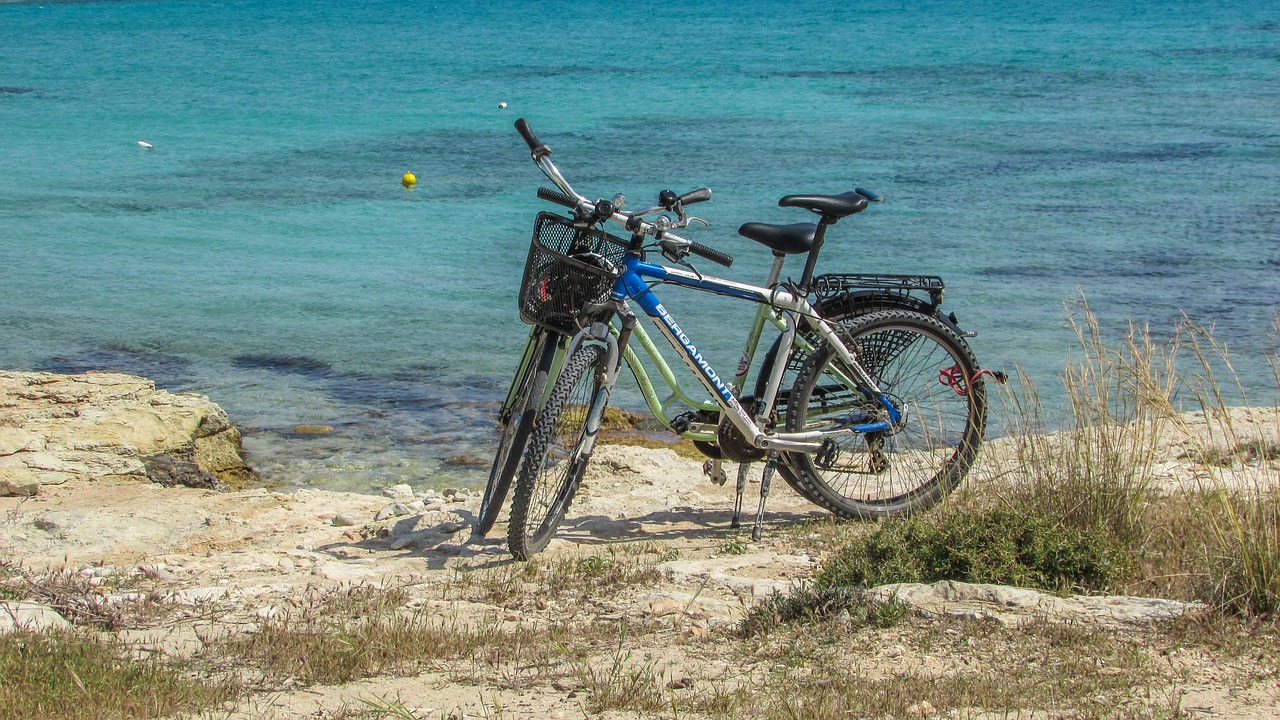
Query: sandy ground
x=253, y=551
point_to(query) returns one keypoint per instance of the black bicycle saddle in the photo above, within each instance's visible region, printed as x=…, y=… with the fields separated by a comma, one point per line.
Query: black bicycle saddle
x=785, y=239
x=831, y=206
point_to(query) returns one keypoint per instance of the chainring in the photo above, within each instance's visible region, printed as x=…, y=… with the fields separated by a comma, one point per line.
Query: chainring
x=733, y=445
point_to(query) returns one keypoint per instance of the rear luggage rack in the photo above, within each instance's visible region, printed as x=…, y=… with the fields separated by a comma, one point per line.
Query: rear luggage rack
x=829, y=286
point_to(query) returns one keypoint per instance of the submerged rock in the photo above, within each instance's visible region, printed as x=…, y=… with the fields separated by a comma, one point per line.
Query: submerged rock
x=55, y=428
x=312, y=429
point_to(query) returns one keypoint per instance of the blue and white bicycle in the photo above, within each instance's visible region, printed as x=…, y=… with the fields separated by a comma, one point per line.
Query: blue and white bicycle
x=870, y=403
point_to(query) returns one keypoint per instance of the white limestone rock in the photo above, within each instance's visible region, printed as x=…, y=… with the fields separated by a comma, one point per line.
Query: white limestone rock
x=1014, y=605
x=96, y=425
x=30, y=616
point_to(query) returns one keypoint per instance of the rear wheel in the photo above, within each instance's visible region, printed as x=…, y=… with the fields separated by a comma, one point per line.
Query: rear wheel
x=526, y=400
x=927, y=371
x=557, y=454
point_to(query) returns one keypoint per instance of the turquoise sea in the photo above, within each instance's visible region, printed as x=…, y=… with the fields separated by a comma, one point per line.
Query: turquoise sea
x=264, y=252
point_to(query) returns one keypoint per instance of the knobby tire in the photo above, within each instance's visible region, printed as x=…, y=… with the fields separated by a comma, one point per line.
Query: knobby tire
x=554, y=460
x=515, y=432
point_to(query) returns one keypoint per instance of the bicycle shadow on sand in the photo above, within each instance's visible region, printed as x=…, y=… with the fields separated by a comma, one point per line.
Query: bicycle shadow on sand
x=438, y=548
x=688, y=524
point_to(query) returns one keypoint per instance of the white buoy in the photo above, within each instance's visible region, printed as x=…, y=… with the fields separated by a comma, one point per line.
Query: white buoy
x=502, y=106
x=145, y=144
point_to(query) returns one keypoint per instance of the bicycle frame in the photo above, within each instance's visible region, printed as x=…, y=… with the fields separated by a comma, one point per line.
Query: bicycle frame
x=632, y=285
x=648, y=391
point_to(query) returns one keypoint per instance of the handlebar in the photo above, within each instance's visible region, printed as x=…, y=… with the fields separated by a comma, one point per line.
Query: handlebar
x=583, y=207
x=695, y=196
x=558, y=198
x=671, y=201
x=536, y=147
x=711, y=254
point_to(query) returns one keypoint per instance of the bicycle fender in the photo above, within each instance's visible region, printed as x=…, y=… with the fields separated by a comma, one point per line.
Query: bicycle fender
x=852, y=304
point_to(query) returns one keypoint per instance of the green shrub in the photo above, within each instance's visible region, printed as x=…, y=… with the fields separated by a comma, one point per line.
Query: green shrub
x=989, y=546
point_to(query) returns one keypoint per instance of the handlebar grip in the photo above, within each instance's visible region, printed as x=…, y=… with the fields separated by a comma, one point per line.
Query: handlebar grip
x=535, y=146
x=695, y=196
x=714, y=256
x=556, y=197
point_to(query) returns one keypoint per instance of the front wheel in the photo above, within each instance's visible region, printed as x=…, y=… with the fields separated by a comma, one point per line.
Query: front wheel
x=522, y=407
x=558, y=452
x=928, y=373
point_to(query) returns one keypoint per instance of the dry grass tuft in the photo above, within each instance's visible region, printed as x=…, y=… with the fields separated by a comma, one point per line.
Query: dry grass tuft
x=81, y=676
x=1095, y=475
x=577, y=576
x=338, y=638
x=80, y=601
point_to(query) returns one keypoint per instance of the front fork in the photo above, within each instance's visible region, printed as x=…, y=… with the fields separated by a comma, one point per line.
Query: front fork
x=599, y=331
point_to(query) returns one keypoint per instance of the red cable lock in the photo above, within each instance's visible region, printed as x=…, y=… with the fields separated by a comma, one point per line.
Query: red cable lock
x=953, y=378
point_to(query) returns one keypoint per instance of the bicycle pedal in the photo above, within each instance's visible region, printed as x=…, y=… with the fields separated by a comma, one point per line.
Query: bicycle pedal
x=681, y=423
x=828, y=455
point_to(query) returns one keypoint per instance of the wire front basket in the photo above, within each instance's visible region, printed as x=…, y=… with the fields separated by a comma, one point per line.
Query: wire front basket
x=568, y=269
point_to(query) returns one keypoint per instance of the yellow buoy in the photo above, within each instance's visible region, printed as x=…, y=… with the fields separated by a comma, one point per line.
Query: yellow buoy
x=408, y=180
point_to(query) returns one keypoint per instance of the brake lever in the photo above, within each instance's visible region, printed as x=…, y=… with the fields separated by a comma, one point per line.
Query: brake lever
x=691, y=267
x=677, y=253
x=691, y=219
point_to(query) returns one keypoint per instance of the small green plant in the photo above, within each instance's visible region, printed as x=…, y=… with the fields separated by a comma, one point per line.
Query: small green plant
x=817, y=604
x=668, y=554
x=733, y=546
x=594, y=566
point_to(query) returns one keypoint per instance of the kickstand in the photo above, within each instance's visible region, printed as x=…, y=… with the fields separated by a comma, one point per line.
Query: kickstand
x=714, y=469
x=743, y=470
x=757, y=531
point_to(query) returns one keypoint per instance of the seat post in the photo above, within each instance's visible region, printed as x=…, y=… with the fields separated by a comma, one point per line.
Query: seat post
x=812, y=260
x=775, y=272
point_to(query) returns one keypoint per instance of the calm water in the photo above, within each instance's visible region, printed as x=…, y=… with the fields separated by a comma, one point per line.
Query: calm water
x=265, y=254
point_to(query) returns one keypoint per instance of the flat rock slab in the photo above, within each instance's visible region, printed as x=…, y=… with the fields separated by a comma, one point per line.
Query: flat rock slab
x=1014, y=606
x=739, y=573
x=30, y=616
